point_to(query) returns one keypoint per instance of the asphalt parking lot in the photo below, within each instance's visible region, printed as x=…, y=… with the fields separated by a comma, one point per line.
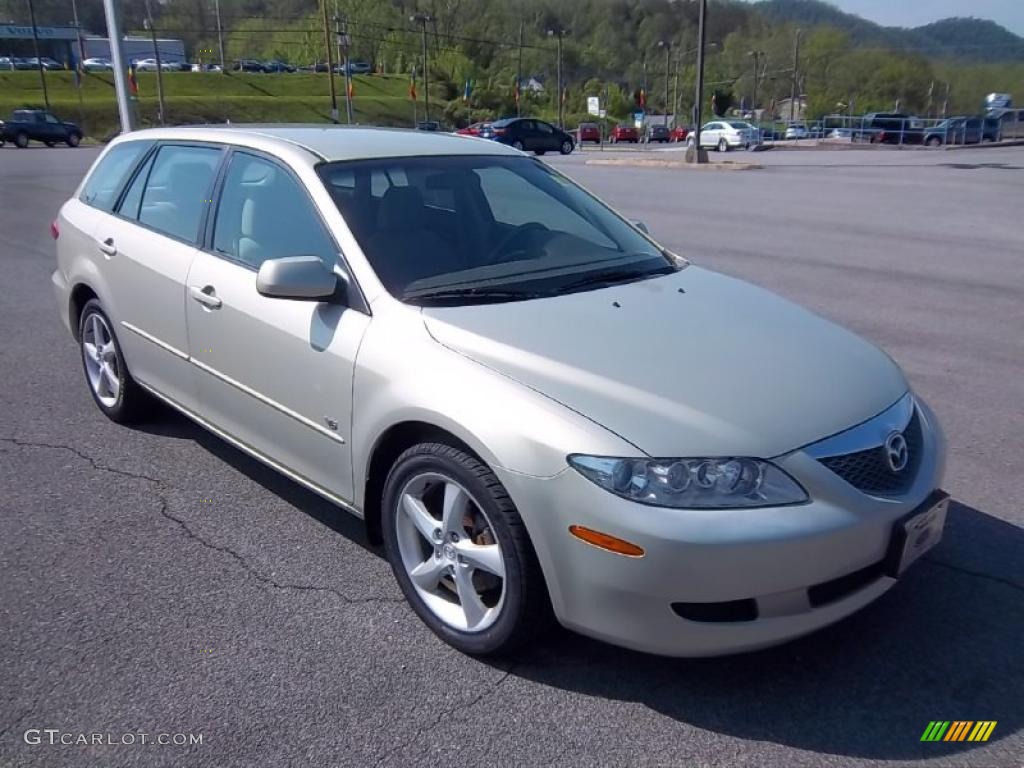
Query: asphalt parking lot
x=157, y=580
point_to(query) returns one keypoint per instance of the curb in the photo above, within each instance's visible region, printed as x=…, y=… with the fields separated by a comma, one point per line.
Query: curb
x=722, y=165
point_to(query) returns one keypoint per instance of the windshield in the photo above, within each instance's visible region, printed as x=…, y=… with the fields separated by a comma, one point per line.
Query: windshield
x=488, y=228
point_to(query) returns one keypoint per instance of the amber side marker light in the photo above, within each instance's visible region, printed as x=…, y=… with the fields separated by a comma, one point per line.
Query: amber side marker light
x=606, y=541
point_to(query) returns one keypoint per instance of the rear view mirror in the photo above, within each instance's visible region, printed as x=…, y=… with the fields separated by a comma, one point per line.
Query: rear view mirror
x=298, y=277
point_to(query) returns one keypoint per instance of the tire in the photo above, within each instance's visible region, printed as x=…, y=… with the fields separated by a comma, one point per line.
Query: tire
x=723, y=145
x=2, y=142
x=517, y=144
x=421, y=479
x=130, y=402
x=21, y=140
x=74, y=139
x=566, y=148
x=934, y=141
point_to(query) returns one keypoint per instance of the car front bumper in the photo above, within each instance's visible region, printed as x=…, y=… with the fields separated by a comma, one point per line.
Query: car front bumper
x=804, y=566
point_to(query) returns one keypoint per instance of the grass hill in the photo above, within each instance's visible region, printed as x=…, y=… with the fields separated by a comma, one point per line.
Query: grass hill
x=208, y=97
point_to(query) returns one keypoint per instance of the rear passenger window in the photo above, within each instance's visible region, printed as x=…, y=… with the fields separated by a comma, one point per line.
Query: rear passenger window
x=177, y=190
x=104, y=183
x=265, y=214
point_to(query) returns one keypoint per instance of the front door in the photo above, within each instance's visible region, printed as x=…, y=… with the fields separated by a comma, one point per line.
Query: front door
x=275, y=374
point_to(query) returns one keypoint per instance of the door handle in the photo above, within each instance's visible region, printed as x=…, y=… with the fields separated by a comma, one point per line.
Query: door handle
x=107, y=247
x=206, y=296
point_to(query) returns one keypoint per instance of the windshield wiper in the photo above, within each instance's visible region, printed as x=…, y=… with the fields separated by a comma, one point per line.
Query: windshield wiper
x=481, y=295
x=614, y=277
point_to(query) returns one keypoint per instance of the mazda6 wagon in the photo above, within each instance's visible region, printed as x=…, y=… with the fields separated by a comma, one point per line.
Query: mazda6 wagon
x=540, y=411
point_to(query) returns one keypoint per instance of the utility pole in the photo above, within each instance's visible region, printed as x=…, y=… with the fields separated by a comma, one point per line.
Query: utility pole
x=124, y=105
x=78, y=34
x=945, y=101
x=558, y=32
x=519, y=72
x=796, y=71
x=423, y=18
x=753, y=99
x=159, y=66
x=699, y=95
x=667, y=45
x=330, y=64
x=39, y=61
x=341, y=32
x=220, y=38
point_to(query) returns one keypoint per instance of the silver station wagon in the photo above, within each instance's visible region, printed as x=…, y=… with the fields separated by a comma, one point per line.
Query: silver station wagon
x=540, y=412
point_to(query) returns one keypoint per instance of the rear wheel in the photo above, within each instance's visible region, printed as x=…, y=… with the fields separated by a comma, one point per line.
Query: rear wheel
x=21, y=140
x=934, y=141
x=112, y=387
x=723, y=145
x=460, y=551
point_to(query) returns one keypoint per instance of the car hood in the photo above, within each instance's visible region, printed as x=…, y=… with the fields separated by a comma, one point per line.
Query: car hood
x=688, y=364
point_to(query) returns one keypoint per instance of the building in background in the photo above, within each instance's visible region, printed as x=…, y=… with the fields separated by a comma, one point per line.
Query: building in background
x=135, y=48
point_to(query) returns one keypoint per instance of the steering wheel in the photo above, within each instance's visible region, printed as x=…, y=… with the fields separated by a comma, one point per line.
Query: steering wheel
x=515, y=234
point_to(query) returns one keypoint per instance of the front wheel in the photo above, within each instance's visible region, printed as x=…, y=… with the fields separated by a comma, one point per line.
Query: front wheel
x=934, y=141
x=517, y=145
x=566, y=147
x=112, y=387
x=460, y=551
x=723, y=145
x=74, y=139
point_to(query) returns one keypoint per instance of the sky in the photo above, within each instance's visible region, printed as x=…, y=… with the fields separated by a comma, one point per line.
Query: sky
x=914, y=13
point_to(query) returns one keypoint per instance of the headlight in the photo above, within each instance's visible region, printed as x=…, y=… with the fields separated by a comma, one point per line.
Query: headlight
x=700, y=483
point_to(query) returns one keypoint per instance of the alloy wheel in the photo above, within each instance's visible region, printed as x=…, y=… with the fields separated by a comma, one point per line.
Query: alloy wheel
x=450, y=552
x=102, y=366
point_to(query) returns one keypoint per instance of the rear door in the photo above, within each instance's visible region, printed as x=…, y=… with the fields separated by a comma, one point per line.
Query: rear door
x=149, y=246
x=274, y=373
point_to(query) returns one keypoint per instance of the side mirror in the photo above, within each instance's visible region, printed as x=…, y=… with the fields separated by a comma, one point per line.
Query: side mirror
x=640, y=225
x=298, y=277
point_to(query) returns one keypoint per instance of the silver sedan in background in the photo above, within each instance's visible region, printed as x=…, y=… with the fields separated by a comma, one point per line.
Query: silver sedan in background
x=539, y=410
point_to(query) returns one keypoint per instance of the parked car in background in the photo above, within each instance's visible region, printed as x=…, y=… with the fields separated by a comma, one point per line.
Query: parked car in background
x=724, y=135
x=588, y=132
x=252, y=65
x=891, y=128
x=532, y=135
x=679, y=133
x=540, y=411
x=954, y=130
x=33, y=63
x=278, y=67
x=97, y=64
x=623, y=132
x=1011, y=122
x=26, y=125
x=150, y=65
x=473, y=130
x=6, y=63
x=989, y=129
x=796, y=131
x=657, y=133
x=359, y=67
x=428, y=125
x=206, y=68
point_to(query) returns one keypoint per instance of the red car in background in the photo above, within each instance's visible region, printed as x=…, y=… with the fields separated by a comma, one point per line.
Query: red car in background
x=679, y=133
x=473, y=130
x=588, y=132
x=623, y=132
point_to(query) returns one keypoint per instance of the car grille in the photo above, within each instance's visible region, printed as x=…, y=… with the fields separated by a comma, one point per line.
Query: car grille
x=869, y=470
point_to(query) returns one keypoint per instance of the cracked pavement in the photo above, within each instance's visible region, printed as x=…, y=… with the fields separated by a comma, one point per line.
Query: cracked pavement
x=154, y=579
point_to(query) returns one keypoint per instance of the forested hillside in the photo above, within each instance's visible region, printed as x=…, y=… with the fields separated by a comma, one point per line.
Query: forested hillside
x=610, y=47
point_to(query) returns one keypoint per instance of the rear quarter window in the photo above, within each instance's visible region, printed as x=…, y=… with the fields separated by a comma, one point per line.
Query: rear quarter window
x=104, y=183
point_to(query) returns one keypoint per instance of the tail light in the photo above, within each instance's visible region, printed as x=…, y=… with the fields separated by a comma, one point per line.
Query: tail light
x=499, y=131
x=881, y=135
x=54, y=229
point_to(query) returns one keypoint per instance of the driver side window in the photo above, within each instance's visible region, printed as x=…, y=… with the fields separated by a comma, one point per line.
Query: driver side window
x=514, y=201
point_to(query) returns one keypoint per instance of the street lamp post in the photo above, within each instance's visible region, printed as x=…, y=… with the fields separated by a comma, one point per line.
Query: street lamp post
x=698, y=157
x=667, y=45
x=423, y=18
x=559, y=32
x=756, y=55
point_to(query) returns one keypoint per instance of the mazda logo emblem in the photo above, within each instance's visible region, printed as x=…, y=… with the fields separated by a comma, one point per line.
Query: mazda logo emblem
x=896, y=452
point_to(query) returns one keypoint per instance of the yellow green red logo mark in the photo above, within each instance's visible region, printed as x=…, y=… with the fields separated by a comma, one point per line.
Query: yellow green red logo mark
x=959, y=730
